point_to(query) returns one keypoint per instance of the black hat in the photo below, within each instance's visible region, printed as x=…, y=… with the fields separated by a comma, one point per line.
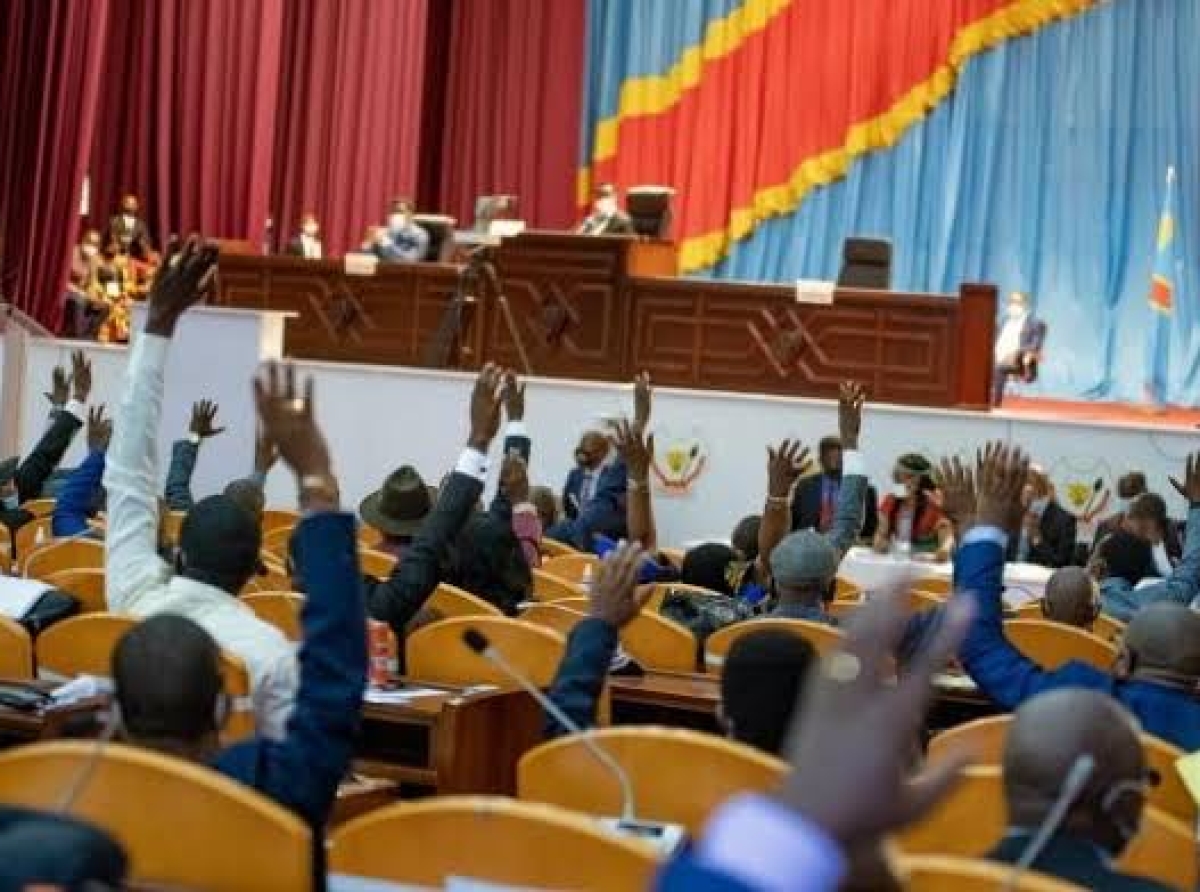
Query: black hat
x=399, y=507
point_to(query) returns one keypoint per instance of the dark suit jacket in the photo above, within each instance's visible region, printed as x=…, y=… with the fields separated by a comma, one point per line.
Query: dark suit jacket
x=618, y=224
x=137, y=236
x=39, y=847
x=295, y=247
x=39, y=465
x=604, y=514
x=1076, y=861
x=1057, y=547
x=399, y=598
x=1173, y=538
x=806, y=507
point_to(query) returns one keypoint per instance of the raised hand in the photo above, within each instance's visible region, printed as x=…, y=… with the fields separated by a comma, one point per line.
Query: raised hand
x=1190, y=488
x=643, y=397
x=1000, y=476
x=514, y=397
x=786, y=464
x=184, y=279
x=81, y=376
x=265, y=453
x=615, y=596
x=99, y=430
x=957, y=483
x=486, y=399
x=60, y=388
x=204, y=416
x=853, y=729
x=636, y=448
x=851, y=398
x=288, y=420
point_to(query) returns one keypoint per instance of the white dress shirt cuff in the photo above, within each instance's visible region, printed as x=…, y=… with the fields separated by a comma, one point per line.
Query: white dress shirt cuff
x=853, y=463
x=516, y=429
x=986, y=534
x=150, y=349
x=473, y=463
x=77, y=408
x=768, y=847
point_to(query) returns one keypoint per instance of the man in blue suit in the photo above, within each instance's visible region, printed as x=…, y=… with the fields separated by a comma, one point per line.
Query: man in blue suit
x=595, y=494
x=1157, y=672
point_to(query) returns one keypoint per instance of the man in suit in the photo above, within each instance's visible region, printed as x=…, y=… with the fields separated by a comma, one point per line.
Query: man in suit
x=606, y=217
x=86, y=312
x=1051, y=736
x=594, y=497
x=816, y=498
x=307, y=242
x=1158, y=667
x=1018, y=346
x=408, y=240
x=129, y=232
x=1129, y=487
x=1048, y=530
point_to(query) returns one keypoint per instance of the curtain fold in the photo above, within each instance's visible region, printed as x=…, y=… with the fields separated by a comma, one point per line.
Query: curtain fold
x=513, y=106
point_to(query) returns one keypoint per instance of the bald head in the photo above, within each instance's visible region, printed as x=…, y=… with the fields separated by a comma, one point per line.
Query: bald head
x=1164, y=640
x=1049, y=736
x=1071, y=598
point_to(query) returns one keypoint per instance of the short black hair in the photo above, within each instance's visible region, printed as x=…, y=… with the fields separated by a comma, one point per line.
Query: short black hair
x=707, y=566
x=167, y=673
x=745, y=536
x=486, y=559
x=1127, y=557
x=1151, y=506
x=219, y=544
x=763, y=675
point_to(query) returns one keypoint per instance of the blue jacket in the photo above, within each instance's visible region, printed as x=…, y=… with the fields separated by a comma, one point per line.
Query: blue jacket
x=177, y=492
x=302, y=771
x=604, y=513
x=1121, y=600
x=581, y=674
x=1010, y=678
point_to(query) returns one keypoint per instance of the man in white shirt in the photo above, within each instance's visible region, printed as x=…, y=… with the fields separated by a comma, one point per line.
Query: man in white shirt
x=307, y=243
x=219, y=542
x=1018, y=346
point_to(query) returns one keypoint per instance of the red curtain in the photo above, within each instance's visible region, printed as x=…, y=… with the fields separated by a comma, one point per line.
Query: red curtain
x=187, y=120
x=349, y=125
x=50, y=76
x=513, y=106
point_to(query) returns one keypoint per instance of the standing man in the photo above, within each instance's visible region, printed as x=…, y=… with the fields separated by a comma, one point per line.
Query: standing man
x=307, y=243
x=129, y=232
x=606, y=217
x=1019, y=345
x=409, y=240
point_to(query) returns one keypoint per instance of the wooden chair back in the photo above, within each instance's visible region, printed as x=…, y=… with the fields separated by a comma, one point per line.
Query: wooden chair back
x=919, y=600
x=1164, y=849
x=660, y=762
x=548, y=587
x=67, y=554
x=87, y=585
x=935, y=585
x=369, y=537
x=437, y=652
x=986, y=738
x=843, y=609
x=674, y=556
x=32, y=536
x=376, y=563
x=571, y=567
x=660, y=643
x=1111, y=630
x=81, y=644
x=16, y=650
x=240, y=724
x=553, y=616
x=450, y=601
x=6, y=550
x=172, y=525
x=1051, y=644
x=40, y=507
x=552, y=548
x=182, y=825
x=280, y=609
x=845, y=590
x=276, y=579
x=279, y=518
x=488, y=838
x=822, y=637
x=943, y=873
x=275, y=542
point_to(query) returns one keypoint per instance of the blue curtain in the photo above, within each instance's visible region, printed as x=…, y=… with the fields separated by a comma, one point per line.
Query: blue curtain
x=1043, y=172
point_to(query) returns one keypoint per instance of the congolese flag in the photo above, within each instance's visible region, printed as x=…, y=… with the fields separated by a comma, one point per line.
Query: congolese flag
x=1162, y=299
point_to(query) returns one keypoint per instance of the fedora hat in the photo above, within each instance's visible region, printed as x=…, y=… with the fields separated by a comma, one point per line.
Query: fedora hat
x=400, y=505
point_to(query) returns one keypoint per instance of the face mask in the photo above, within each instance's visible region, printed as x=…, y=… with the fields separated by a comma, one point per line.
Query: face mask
x=397, y=221
x=899, y=490
x=606, y=207
x=311, y=229
x=11, y=503
x=1037, y=506
x=89, y=250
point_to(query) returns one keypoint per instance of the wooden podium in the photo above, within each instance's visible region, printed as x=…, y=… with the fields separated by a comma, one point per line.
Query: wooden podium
x=604, y=307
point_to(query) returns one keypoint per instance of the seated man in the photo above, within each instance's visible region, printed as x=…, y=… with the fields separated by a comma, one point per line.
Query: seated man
x=1018, y=346
x=816, y=496
x=397, y=509
x=1147, y=518
x=1072, y=598
x=1126, y=561
x=607, y=218
x=1048, y=531
x=167, y=669
x=594, y=497
x=409, y=242
x=1129, y=487
x=85, y=311
x=220, y=541
x=1158, y=668
x=1051, y=734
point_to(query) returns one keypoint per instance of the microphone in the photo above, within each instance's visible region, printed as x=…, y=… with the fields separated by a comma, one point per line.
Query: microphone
x=666, y=837
x=80, y=781
x=1077, y=778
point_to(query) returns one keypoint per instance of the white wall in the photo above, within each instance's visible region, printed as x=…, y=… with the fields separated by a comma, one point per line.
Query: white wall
x=377, y=418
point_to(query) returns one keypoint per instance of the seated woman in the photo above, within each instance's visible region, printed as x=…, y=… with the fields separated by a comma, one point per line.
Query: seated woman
x=911, y=517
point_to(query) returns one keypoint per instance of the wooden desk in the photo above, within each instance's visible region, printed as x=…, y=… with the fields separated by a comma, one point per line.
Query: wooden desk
x=602, y=308
x=83, y=719
x=462, y=741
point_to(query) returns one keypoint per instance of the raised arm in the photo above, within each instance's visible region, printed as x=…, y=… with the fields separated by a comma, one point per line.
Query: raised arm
x=786, y=464
x=637, y=450
x=851, y=506
x=67, y=418
x=178, y=491
x=304, y=769
x=397, y=600
x=82, y=488
x=132, y=561
x=513, y=488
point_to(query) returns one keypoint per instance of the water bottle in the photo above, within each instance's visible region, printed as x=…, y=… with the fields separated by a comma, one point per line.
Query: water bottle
x=585, y=581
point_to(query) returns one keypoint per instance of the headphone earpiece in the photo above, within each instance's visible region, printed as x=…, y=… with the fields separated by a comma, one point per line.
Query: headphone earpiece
x=221, y=711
